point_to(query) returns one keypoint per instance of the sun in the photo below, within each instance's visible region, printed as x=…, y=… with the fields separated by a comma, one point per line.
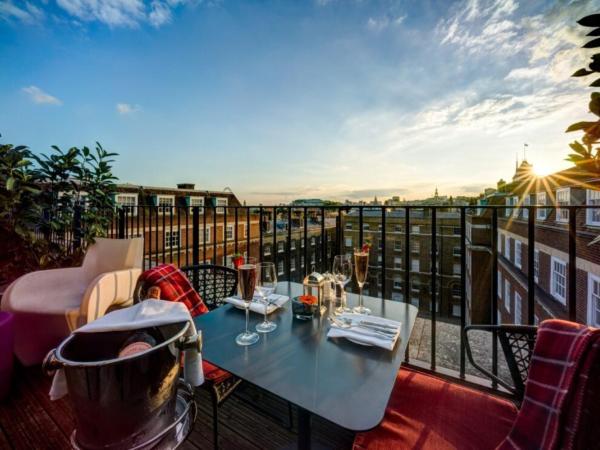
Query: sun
x=541, y=170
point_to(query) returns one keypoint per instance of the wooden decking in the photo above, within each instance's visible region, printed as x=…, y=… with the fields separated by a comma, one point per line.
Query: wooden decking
x=29, y=420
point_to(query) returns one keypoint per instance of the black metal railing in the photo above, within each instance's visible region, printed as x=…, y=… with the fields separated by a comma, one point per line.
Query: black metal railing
x=190, y=235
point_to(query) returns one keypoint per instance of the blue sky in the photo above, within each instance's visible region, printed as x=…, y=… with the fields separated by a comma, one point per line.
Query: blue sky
x=286, y=99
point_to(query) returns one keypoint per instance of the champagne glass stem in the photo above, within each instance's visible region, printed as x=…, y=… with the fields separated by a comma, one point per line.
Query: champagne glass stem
x=247, y=317
x=360, y=297
x=266, y=307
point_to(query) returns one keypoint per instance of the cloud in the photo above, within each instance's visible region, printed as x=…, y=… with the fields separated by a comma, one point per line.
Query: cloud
x=381, y=23
x=127, y=109
x=38, y=96
x=27, y=12
x=125, y=13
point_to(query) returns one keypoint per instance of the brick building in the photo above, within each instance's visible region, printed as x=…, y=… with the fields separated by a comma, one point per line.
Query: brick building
x=572, y=187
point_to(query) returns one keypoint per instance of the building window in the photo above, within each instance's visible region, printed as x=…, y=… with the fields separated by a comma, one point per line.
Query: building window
x=312, y=259
x=515, y=202
x=542, y=213
x=456, y=251
x=499, y=285
x=518, y=319
x=415, y=246
x=526, y=202
x=398, y=246
x=559, y=280
x=280, y=247
x=312, y=241
x=229, y=233
x=415, y=265
x=397, y=229
x=518, y=255
x=207, y=234
x=129, y=200
x=507, y=295
x=293, y=245
x=500, y=239
x=593, y=215
x=414, y=301
x=171, y=239
x=220, y=202
x=397, y=296
x=197, y=201
x=594, y=300
x=456, y=269
x=536, y=265
x=245, y=231
x=366, y=226
x=292, y=265
x=507, y=248
x=397, y=283
x=267, y=250
x=348, y=242
x=280, y=270
x=562, y=199
x=456, y=310
x=379, y=259
x=348, y=226
x=455, y=290
x=508, y=202
x=397, y=262
x=456, y=231
x=415, y=229
x=165, y=203
x=302, y=261
x=379, y=228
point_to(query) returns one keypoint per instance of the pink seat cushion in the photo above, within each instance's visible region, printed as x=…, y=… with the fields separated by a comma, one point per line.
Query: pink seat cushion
x=427, y=412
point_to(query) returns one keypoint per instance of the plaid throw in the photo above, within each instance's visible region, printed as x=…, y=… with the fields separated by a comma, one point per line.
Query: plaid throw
x=550, y=417
x=174, y=286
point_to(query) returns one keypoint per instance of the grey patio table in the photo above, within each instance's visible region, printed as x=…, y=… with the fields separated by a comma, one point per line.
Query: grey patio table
x=343, y=382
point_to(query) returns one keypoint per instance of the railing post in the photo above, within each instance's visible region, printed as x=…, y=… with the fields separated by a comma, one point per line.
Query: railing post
x=494, y=312
x=195, y=243
x=531, y=266
x=77, y=230
x=121, y=224
x=572, y=274
x=433, y=284
x=463, y=286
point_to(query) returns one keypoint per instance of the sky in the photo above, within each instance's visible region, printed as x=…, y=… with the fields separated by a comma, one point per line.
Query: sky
x=279, y=100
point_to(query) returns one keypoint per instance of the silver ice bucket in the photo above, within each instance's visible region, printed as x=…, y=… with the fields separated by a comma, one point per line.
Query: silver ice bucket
x=120, y=403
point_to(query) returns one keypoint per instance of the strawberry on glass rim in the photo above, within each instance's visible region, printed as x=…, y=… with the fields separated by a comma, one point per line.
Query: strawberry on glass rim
x=237, y=259
x=366, y=247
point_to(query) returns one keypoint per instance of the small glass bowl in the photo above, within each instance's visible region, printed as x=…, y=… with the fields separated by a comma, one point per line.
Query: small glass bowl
x=303, y=310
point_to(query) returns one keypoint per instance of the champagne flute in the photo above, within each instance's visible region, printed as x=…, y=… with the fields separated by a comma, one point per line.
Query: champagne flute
x=247, y=283
x=342, y=272
x=266, y=282
x=361, y=261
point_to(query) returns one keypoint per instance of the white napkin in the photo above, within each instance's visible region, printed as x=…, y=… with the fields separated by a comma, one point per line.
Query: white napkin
x=363, y=335
x=149, y=313
x=275, y=301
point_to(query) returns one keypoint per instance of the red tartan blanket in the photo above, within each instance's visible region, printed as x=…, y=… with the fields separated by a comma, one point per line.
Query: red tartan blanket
x=559, y=380
x=174, y=286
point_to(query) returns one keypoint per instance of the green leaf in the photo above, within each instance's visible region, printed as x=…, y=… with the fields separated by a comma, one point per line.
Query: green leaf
x=594, y=43
x=592, y=20
x=596, y=83
x=580, y=126
x=10, y=183
x=595, y=32
x=582, y=73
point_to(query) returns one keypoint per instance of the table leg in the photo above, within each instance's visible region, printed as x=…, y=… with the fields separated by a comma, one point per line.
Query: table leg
x=303, y=429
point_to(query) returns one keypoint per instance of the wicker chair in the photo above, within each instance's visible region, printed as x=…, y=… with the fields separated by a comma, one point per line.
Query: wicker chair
x=213, y=283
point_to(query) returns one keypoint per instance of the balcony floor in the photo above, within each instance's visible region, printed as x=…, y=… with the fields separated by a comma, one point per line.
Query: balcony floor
x=29, y=420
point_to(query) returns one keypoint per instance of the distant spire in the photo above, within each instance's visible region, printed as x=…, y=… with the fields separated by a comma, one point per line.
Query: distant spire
x=525, y=151
x=516, y=160
x=436, y=192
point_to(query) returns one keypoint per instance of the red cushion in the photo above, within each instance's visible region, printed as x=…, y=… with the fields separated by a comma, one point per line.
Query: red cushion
x=426, y=412
x=213, y=374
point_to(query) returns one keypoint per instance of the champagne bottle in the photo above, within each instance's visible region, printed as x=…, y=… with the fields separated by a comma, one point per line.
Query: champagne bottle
x=138, y=342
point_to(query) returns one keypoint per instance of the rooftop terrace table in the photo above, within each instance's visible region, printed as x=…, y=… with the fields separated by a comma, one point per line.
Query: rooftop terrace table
x=345, y=383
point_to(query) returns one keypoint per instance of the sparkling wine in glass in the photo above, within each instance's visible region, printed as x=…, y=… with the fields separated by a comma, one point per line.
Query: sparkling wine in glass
x=247, y=284
x=342, y=272
x=361, y=267
x=266, y=282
